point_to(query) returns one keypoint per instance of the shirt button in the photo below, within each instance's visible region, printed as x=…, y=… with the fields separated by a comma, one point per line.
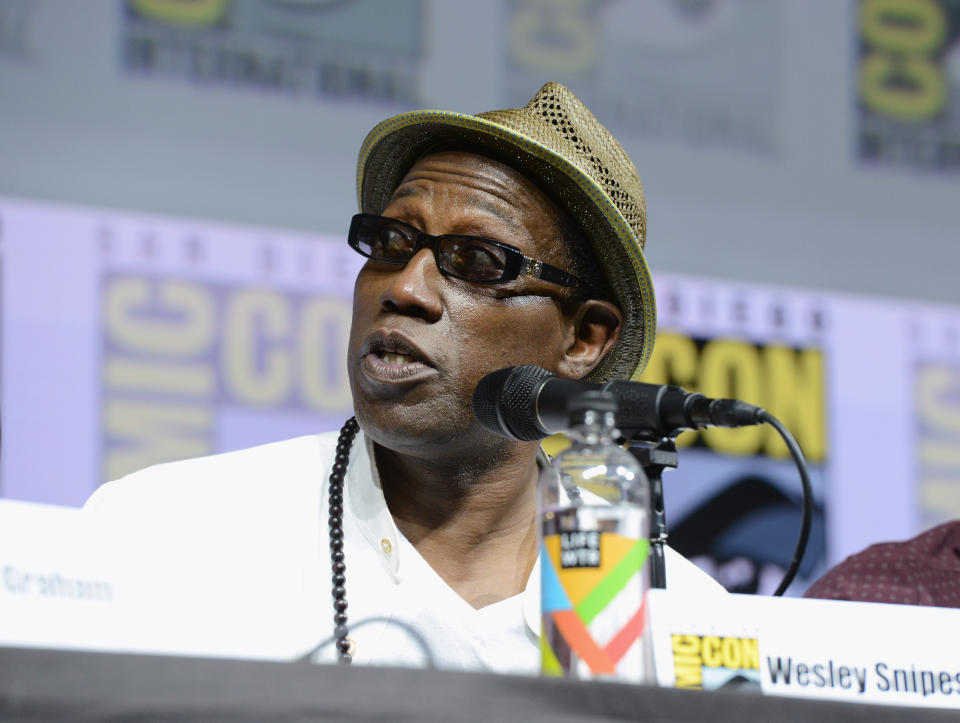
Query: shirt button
x=386, y=546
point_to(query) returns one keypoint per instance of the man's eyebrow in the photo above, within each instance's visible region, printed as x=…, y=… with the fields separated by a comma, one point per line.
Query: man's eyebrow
x=406, y=191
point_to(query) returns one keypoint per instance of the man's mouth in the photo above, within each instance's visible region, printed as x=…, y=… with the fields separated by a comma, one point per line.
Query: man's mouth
x=389, y=357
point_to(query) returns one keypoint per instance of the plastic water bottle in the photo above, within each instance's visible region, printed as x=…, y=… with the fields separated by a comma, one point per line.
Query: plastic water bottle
x=595, y=525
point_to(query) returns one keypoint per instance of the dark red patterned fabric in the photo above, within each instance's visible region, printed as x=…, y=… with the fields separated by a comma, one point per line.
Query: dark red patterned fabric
x=922, y=571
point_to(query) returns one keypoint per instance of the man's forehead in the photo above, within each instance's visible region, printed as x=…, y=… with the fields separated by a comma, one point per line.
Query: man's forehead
x=500, y=190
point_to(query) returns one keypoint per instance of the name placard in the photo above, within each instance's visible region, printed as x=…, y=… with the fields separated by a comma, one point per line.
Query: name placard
x=67, y=581
x=866, y=652
x=57, y=587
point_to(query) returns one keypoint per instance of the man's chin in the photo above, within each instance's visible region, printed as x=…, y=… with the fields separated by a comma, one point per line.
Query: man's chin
x=415, y=429
x=416, y=441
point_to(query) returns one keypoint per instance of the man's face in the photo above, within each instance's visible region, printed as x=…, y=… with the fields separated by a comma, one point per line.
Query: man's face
x=420, y=341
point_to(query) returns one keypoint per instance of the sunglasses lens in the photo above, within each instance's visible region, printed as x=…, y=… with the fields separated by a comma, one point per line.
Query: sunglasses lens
x=472, y=259
x=384, y=240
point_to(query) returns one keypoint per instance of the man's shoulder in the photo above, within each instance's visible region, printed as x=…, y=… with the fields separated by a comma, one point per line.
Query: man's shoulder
x=274, y=467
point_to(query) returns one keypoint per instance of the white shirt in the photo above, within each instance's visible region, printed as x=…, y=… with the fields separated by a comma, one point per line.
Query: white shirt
x=253, y=524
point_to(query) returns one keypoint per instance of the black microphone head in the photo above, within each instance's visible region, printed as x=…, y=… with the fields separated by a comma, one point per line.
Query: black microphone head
x=505, y=402
x=486, y=397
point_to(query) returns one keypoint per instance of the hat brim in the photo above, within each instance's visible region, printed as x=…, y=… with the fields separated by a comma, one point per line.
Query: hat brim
x=393, y=146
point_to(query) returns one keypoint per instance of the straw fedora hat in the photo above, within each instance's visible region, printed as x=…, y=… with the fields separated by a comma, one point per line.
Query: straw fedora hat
x=559, y=144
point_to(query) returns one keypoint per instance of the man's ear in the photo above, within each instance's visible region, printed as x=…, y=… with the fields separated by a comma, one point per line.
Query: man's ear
x=596, y=327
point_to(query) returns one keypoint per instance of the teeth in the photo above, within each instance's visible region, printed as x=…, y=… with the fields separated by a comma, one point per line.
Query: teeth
x=394, y=358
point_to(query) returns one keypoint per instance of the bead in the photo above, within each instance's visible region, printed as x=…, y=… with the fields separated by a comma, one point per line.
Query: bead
x=339, y=579
x=340, y=605
x=340, y=632
x=346, y=658
x=337, y=556
x=343, y=646
x=340, y=618
x=336, y=498
x=336, y=510
x=336, y=533
x=339, y=592
x=339, y=567
x=336, y=545
x=339, y=468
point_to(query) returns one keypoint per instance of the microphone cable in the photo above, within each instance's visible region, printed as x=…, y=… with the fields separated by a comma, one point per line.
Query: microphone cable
x=806, y=498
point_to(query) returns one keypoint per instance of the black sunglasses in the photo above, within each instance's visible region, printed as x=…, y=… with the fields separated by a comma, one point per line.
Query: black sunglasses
x=471, y=258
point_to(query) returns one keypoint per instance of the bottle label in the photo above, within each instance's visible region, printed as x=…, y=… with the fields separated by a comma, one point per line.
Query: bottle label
x=594, y=604
x=579, y=549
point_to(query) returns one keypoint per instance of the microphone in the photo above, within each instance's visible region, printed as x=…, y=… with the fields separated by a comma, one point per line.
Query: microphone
x=528, y=403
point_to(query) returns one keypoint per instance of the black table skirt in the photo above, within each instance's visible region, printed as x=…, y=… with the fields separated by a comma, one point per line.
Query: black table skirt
x=50, y=685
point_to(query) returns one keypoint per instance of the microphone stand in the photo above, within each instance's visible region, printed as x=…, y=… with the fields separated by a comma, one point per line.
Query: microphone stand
x=654, y=458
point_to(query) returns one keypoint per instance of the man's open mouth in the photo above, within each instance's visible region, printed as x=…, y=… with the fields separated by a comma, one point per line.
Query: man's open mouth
x=391, y=357
x=393, y=349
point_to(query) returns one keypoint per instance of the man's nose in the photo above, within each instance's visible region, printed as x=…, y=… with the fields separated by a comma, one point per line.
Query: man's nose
x=415, y=289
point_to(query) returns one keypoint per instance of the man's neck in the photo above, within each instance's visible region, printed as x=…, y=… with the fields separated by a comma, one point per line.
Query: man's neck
x=475, y=525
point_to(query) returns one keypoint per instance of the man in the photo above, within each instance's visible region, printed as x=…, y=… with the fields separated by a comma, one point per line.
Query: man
x=512, y=237
x=924, y=570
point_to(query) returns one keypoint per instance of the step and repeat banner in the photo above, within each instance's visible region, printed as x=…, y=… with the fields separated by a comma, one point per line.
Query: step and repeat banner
x=129, y=340
x=732, y=504
x=311, y=49
x=779, y=140
x=664, y=70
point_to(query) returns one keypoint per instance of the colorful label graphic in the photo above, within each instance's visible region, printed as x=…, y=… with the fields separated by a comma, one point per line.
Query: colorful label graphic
x=593, y=615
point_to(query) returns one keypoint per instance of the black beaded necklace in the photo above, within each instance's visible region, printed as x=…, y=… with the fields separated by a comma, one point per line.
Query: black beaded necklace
x=338, y=566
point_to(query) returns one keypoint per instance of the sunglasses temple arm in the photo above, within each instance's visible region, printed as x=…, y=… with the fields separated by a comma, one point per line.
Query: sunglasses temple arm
x=554, y=275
